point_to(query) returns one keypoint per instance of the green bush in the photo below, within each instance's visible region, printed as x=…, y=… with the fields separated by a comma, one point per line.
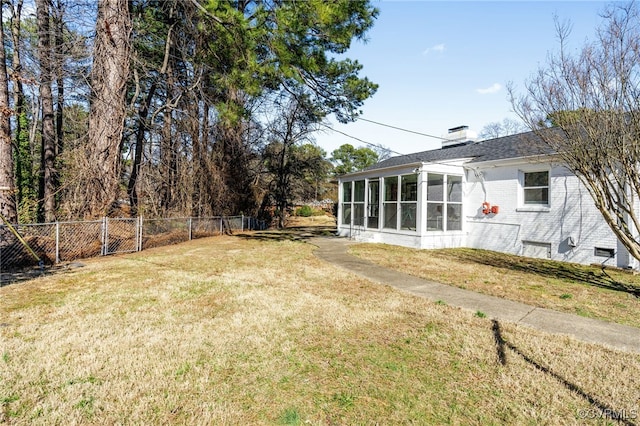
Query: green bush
x=304, y=211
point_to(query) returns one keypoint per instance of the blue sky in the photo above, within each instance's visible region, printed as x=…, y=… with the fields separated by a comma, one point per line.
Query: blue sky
x=444, y=64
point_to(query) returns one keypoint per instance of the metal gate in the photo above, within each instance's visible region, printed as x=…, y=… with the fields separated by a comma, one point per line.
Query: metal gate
x=120, y=235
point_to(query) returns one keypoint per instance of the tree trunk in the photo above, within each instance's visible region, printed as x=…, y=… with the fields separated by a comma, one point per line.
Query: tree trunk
x=141, y=130
x=168, y=147
x=25, y=180
x=142, y=123
x=109, y=76
x=7, y=186
x=48, y=153
x=59, y=64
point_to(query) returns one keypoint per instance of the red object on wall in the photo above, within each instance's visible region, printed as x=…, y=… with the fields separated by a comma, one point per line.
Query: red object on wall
x=495, y=209
x=486, y=208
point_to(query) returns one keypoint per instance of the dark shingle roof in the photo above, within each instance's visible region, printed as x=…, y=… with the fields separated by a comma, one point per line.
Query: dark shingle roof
x=514, y=146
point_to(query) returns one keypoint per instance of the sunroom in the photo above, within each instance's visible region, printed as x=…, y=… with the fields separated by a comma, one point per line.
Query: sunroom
x=417, y=205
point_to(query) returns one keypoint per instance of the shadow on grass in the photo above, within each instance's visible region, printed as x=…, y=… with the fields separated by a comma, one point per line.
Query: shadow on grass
x=563, y=270
x=29, y=273
x=606, y=411
x=301, y=233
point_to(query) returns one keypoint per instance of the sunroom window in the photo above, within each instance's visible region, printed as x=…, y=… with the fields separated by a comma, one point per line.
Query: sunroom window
x=454, y=203
x=435, y=202
x=408, y=201
x=346, y=203
x=390, y=203
x=358, y=203
x=444, y=208
x=373, y=204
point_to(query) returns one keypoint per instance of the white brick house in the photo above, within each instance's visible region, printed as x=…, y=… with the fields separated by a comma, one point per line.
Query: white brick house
x=505, y=194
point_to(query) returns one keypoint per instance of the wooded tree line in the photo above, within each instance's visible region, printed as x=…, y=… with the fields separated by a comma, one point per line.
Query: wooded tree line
x=171, y=107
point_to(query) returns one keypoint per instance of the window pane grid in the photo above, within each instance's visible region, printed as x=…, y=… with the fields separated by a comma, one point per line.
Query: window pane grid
x=444, y=202
x=373, y=208
x=536, y=188
x=391, y=202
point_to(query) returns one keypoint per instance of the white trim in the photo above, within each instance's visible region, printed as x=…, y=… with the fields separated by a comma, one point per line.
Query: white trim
x=521, y=206
x=542, y=208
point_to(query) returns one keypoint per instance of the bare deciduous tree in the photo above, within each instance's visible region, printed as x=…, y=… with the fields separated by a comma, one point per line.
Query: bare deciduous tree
x=592, y=100
x=293, y=123
x=498, y=129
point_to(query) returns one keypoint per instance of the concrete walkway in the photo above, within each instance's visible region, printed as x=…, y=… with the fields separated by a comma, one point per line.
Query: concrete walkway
x=334, y=250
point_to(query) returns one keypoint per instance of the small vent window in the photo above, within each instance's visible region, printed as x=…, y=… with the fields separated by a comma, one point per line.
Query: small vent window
x=604, y=252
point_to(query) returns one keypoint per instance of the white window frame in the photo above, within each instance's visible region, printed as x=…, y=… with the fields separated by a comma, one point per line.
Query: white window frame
x=358, y=213
x=407, y=204
x=442, y=221
x=346, y=200
x=391, y=204
x=533, y=207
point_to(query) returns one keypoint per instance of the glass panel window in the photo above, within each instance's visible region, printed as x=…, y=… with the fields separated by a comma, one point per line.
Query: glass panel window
x=346, y=214
x=358, y=193
x=358, y=203
x=434, y=217
x=435, y=187
x=409, y=190
x=536, y=196
x=536, y=188
x=454, y=189
x=408, y=198
x=346, y=192
x=444, y=209
x=408, y=215
x=373, y=206
x=536, y=179
x=358, y=214
x=391, y=188
x=435, y=196
x=454, y=217
x=391, y=215
x=390, y=206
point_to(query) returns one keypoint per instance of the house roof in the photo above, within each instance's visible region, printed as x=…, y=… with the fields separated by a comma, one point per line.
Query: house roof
x=515, y=146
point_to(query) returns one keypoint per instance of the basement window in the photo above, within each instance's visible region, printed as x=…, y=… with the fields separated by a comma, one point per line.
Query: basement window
x=537, y=249
x=604, y=252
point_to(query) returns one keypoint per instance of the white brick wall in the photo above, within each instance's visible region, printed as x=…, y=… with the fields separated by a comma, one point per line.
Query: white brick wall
x=571, y=214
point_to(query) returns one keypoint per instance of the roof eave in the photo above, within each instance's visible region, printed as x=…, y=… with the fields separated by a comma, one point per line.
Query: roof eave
x=378, y=169
x=536, y=158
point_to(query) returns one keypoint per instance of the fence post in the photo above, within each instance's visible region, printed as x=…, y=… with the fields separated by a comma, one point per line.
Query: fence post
x=221, y=229
x=139, y=239
x=57, y=242
x=242, y=224
x=104, y=237
x=190, y=230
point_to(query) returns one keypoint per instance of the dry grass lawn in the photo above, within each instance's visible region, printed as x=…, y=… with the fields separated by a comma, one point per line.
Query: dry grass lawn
x=583, y=290
x=238, y=330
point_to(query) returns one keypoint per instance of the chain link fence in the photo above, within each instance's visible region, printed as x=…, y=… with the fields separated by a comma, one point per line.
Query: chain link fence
x=29, y=245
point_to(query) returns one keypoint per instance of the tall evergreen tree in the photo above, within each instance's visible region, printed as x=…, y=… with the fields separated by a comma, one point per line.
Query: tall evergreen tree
x=7, y=197
x=99, y=184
